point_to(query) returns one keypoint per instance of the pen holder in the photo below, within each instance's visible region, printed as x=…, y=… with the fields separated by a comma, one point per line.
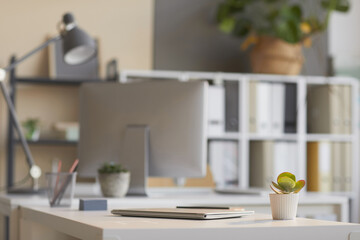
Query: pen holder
x=60, y=188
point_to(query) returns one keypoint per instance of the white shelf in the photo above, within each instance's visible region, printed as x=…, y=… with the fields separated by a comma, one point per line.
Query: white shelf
x=301, y=137
x=226, y=136
x=329, y=137
x=275, y=137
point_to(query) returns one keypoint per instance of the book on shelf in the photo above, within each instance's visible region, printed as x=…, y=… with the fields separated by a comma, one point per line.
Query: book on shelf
x=285, y=157
x=329, y=166
x=277, y=107
x=261, y=163
x=270, y=158
x=252, y=106
x=290, y=122
x=329, y=109
x=337, y=166
x=216, y=110
x=263, y=107
x=347, y=123
x=266, y=107
x=324, y=158
x=223, y=159
x=231, y=106
x=347, y=166
x=312, y=167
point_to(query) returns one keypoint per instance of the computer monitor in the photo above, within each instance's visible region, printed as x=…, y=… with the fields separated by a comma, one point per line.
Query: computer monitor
x=155, y=127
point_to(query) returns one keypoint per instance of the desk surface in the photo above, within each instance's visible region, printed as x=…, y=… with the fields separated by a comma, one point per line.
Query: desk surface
x=104, y=225
x=313, y=203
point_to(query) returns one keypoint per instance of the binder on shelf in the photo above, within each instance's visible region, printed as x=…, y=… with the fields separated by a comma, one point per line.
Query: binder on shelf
x=337, y=166
x=325, y=167
x=223, y=159
x=290, y=121
x=285, y=157
x=252, y=106
x=231, y=106
x=319, y=167
x=327, y=109
x=261, y=163
x=312, y=166
x=347, y=109
x=277, y=107
x=263, y=108
x=347, y=166
x=216, y=110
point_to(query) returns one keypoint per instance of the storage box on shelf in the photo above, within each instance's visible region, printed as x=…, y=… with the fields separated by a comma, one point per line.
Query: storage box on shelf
x=273, y=115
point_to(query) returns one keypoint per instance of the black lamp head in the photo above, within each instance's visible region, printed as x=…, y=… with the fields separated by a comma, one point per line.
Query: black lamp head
x=78, y=46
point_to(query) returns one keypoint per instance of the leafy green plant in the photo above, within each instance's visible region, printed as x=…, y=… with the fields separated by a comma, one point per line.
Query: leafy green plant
x=286, y=183
x=112, y=168
x=30, y=125
x=282, y=19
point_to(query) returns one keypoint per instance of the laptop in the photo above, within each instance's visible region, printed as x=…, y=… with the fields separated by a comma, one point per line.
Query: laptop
x=182, y=213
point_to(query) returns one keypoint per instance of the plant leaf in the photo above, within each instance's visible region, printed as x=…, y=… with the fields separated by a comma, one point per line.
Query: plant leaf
x=227, y=25
x=286, y=174
x=299, y=185
x=276, y=191
x=287, y=183
x=278, y=186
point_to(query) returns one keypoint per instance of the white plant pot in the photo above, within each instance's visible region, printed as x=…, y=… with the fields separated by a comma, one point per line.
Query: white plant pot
x=114, y=184
x=284, y=206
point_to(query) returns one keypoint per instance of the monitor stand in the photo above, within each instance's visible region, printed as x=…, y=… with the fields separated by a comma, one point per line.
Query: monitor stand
x=135, y=158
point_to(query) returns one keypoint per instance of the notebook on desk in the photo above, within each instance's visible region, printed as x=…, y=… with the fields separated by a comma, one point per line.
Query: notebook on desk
x=184, y=213
x=241, y=191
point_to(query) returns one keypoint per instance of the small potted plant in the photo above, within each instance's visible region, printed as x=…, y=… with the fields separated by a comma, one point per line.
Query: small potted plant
x=114, y=180
x=32, y=129
x=285, y=200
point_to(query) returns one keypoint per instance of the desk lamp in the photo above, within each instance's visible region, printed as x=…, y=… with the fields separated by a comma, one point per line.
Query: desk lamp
x=78, y=47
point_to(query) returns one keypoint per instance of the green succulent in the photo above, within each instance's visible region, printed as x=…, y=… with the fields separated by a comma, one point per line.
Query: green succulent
x=112, y=168
x=30, y=125
x=286, y=183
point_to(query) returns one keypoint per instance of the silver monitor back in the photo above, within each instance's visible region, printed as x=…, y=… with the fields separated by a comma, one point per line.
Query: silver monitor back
x=175, y=113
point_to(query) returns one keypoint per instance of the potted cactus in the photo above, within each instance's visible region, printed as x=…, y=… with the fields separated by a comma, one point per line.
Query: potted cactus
x=285, y=200
x=114, y=180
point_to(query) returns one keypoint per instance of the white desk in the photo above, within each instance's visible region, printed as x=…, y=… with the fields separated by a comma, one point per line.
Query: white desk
x=51, y=223
x=310, y=204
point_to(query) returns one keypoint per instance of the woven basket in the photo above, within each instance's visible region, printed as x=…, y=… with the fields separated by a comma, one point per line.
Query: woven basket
x=274, y=56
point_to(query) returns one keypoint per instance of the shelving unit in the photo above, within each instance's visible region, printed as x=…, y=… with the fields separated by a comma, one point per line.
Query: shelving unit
x=301, y=137
x=12, y=141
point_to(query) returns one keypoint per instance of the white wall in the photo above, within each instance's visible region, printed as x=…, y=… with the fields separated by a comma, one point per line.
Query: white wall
x=344, y=37
x=124, y=29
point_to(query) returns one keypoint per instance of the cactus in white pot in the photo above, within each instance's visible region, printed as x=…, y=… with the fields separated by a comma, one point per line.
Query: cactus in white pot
x=285, y=200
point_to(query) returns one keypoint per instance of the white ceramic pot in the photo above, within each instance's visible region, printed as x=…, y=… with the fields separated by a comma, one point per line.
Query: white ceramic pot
x=114, y=184
x=284, y=206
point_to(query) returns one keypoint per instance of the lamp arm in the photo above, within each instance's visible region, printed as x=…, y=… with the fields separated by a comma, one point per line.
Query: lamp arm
x=45, y=44
x=6, y=95
x=35, y=171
